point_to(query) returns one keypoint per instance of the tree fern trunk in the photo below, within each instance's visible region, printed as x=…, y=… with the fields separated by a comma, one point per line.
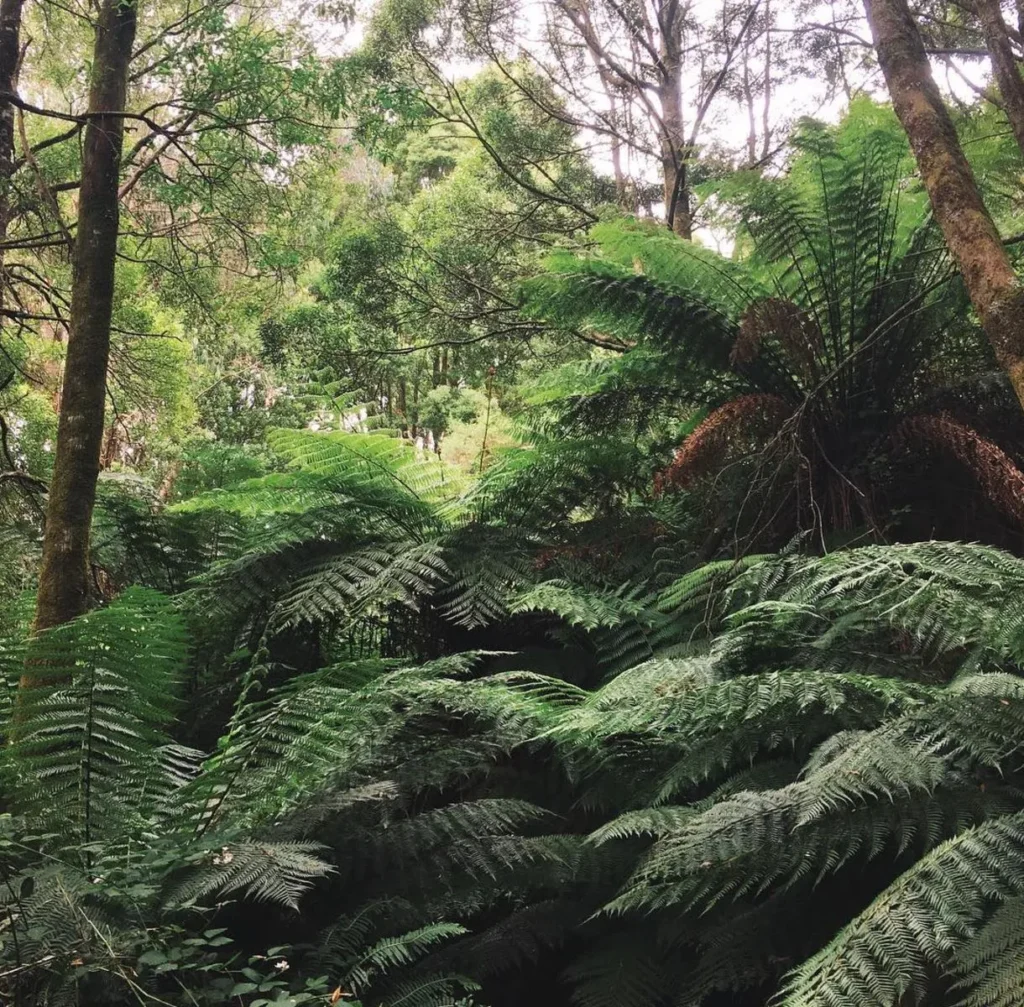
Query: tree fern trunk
x=63, y=578
x=968, y=228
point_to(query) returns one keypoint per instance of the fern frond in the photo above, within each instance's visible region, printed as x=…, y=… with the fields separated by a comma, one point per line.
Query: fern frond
x=623, y=971
x=370, y=462
x=991, y=964
x=458, y=830
x=278, y=872
x=711, y=726
x=88, y=732
x=874, y=798
x=918, y=923
x=587, y=610
x=393, y=952
x=341, y=587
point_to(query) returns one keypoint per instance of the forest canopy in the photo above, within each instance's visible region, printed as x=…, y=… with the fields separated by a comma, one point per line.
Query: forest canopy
x=511, y=503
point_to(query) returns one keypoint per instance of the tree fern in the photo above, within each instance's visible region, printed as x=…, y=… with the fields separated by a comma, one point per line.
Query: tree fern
x=145, y=837
x=892, y=768
x=920, y=921
x=87, y=738
x=802, y=735
x=807, y=356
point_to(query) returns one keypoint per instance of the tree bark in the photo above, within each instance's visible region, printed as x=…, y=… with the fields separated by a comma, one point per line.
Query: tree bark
x=402, y=406
x=748, y=100
x=766, y=131
x=608, y=84
x=621, y=190
x=966, y=224
x=1004, y=65
x=10, y=57
x=64, y=576
x=673, y=138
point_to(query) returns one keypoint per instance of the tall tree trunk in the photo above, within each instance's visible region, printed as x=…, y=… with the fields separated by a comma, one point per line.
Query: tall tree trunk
x=1004, y=65
x=608, y=85
x=968, y=228
x=676, y=185
x=621, y=190
x=748, y=100
x=766, y=131
x=10, y=56
x=64, y=578
x=579, y=13
x=673, y=147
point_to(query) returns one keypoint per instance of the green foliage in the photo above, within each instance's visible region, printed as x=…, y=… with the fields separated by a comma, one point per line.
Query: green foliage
x=523, y=718
x=781, y=782
x=133, y=835
x=363, y=533
x=761, y=753
x=95, y=738
x=804, y=374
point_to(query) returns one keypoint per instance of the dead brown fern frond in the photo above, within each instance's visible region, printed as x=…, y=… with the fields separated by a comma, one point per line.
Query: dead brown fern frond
x=797, y=333
x=740, y=424
x=998, y=477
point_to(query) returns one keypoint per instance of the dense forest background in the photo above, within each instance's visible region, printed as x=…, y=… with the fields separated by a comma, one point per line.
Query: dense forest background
x=511, y=503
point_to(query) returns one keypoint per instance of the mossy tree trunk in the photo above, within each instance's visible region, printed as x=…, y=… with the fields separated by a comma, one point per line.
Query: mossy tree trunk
x=961, y=213
x=64, y=576
x=10, y=56
x=1004, y=65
